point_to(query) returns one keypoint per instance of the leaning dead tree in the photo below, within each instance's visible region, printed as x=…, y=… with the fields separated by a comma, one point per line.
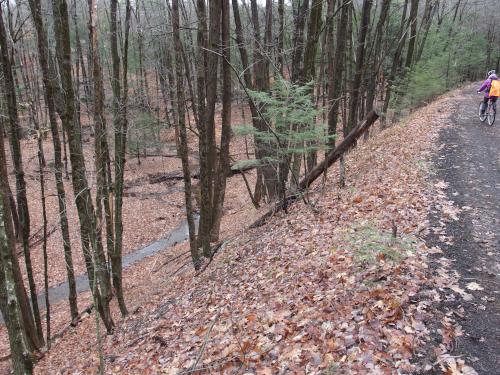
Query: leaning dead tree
x=334, y=155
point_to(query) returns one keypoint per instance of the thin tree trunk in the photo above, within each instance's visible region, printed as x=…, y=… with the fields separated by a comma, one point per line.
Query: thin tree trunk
x=22, y=201
x=298, y=39
x=78, y=66
x=22, y=361
x=264, y=149
x=430, y=9
x=44, y=248
x=87, y=87
x=309, y=67
x=203, y=239
x=143, y=94
x=36, y=13
x=281, y=36
x=120, y=126
x=88, y=225
x=223, y=165
x=247, y=77
x=413, y=34
x=358, y=73
x=395, y=64
x=13, y=209
x=335, y=71
x=179, y=74
x=100, y=137
x=18, y=319
x=207, y=130
x=376, y=62
x=33, y=340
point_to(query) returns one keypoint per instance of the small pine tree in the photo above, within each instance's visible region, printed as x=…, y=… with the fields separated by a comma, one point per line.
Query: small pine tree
x=292, y=128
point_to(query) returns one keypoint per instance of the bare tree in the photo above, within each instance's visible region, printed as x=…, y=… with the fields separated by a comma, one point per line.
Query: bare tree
x=335, y=71
x=120, y=125
x=183, y=143
x=413, y=33
x=206, y=128
x=42, y=42
x=223, y=166
x=15, y=135
x=358, y=72
x=91, y=241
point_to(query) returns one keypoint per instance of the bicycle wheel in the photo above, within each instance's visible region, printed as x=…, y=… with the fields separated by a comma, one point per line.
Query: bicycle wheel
x=482, y=116
x=491, y=115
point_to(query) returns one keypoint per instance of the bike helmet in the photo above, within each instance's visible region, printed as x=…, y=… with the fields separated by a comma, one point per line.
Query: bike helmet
x=491, y=72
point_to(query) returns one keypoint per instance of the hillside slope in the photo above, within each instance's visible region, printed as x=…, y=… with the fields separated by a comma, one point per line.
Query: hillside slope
x=322, y=289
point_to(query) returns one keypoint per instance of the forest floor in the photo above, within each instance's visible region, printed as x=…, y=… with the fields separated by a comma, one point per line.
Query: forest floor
x=151, y=211
x=324, y=288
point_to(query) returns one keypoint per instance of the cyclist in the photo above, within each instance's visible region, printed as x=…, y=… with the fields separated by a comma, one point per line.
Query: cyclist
x=487, y=88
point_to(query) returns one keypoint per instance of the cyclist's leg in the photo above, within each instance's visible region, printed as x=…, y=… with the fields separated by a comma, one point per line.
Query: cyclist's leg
x=484, y=105
x=493, y=100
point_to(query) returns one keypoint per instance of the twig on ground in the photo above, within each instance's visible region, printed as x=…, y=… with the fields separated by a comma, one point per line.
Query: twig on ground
x=202, y=350
x=169, y=261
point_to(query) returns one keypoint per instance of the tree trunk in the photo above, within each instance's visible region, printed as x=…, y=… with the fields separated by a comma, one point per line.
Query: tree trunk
x=358, y=73
x=309, y=66
x=183, y=143
x=86, y=213
x=395, y=64
x=22, y=201
x=36, y=14
x=87, y=88
x=263, y=149
x=413, y=34
x=143, y=82
x=120, y=126
x=298, y=38
x=430, y=9
x=223, y=166
x=207, y=129
x=101, y=158
x=281, y=37
x=18, y=319
x=100, y=136
x=44, y=248
x=335, y=70
x=22, y=361
x=249, y=83
x=376, y=62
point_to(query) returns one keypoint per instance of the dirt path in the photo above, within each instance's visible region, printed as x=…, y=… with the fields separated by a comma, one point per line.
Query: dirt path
x=469, y=163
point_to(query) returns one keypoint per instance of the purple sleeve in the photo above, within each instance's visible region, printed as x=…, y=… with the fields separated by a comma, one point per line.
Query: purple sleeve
x=484, y=85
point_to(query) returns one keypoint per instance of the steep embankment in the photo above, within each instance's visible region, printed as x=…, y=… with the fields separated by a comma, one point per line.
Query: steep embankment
x=322, y=288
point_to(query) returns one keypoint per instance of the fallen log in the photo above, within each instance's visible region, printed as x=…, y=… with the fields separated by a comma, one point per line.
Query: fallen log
x=317, y=171
x=177, y=175
x=163, y=177
x=235, y=169
x=338, y=151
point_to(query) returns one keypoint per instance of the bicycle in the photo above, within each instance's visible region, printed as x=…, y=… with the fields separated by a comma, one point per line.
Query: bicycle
x=490, y=112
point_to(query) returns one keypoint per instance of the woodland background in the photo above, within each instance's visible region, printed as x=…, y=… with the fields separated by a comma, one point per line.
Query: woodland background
x=98, y=97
